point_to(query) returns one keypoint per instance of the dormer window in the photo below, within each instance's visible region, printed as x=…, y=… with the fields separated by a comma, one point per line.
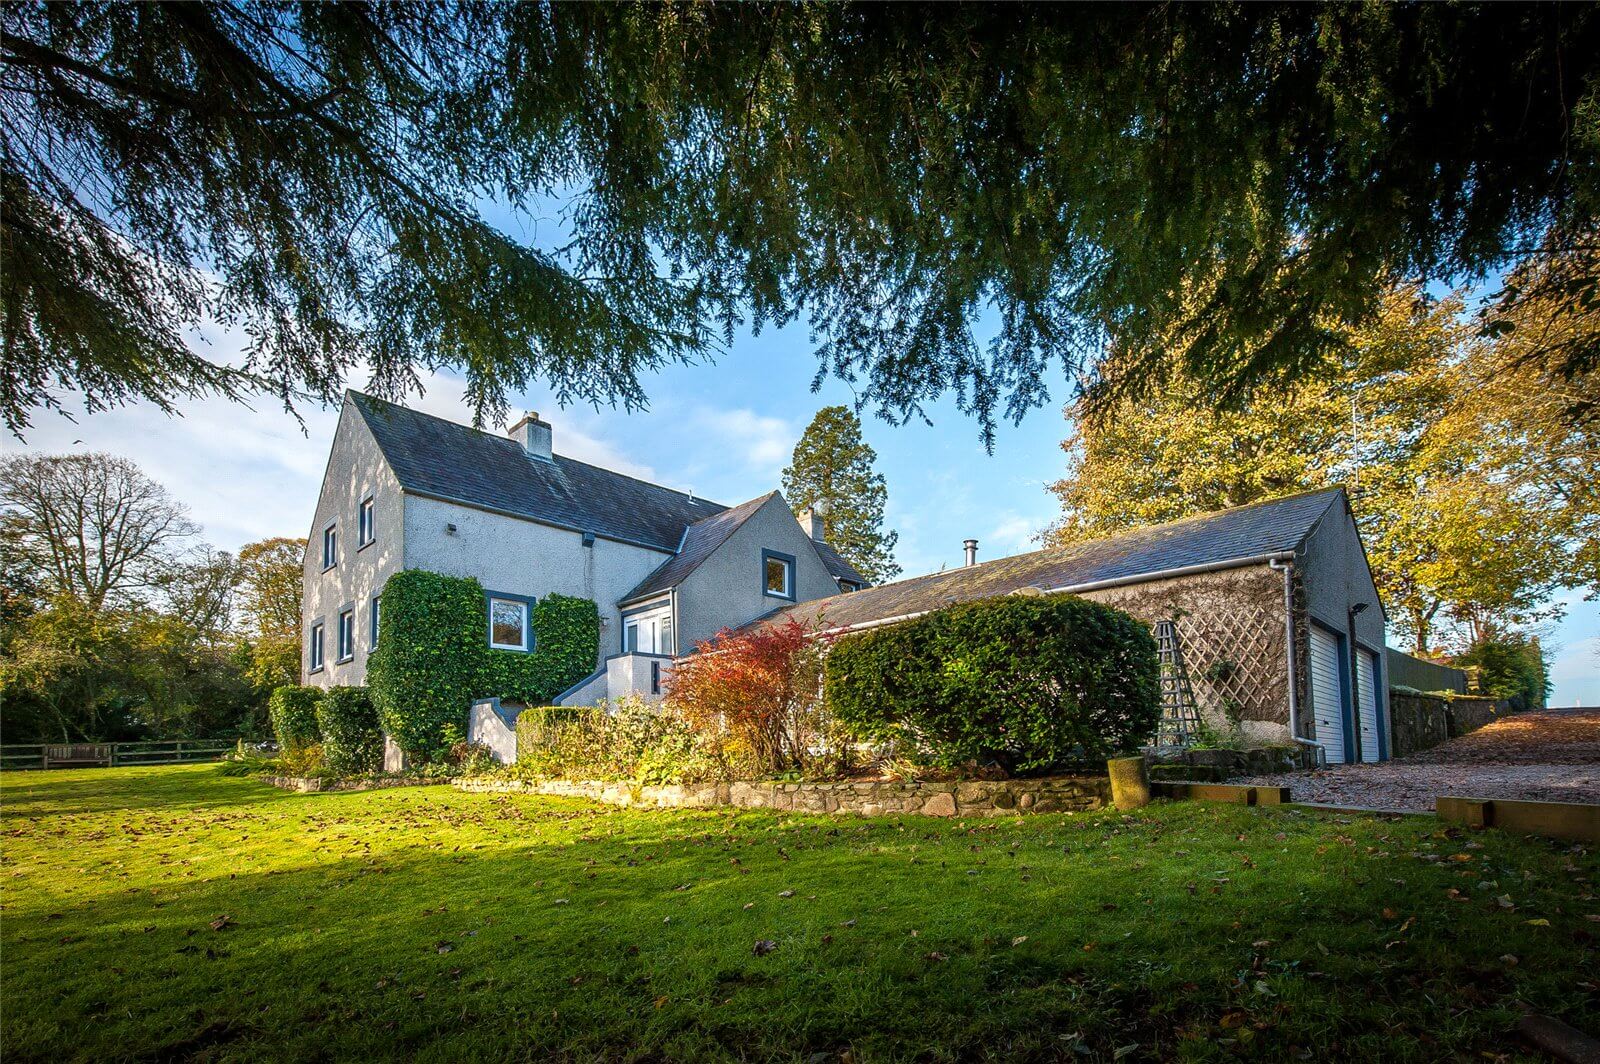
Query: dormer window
x=848, y=586
x=366, y=524
x=777, y=574
x=330, y=546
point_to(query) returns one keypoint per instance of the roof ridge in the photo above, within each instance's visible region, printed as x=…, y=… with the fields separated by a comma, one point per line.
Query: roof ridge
x=1081, y=544
x=498, y=437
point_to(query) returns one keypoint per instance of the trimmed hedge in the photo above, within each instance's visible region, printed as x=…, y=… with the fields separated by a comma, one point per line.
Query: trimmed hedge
x=628, y=739
x=351, y=739
x=293, y=710
x=1028, y=681
x=434, y=658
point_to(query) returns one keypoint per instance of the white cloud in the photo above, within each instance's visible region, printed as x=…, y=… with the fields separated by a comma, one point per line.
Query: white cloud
x=1013, y=535
x=763, y=445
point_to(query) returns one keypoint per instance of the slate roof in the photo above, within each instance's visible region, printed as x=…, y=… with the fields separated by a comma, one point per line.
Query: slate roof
x=699, y=541
x=432, y=456
x=1276, y=526
x=837, y=567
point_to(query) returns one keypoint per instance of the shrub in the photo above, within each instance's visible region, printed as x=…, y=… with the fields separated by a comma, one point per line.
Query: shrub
x=294, y=716
x=753, y=697
x=1510, y=667
x=627, y=739
x=434, y=658
x=302, y=761
x=1030, y=682
x=352, y=742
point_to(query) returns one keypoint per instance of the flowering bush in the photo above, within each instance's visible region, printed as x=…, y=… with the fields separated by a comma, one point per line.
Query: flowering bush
x=754, y=699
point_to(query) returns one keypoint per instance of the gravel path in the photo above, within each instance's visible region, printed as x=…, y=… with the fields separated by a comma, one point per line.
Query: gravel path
x=1550, y=756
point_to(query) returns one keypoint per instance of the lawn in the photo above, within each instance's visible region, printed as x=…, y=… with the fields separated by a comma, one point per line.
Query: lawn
x=177, y=913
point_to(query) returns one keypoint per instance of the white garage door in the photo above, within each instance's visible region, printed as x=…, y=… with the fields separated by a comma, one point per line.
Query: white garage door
x=1327, y=694
x=1367, y=699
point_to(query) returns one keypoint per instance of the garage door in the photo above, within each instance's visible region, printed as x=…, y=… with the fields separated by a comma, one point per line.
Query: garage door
x=1327, y=694
x=1367, y=700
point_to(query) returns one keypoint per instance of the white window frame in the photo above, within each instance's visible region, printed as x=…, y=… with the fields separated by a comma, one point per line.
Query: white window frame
x=366, y=522
x=345, y=636
x=330, y=547
x=527, y=611
x=315, y=651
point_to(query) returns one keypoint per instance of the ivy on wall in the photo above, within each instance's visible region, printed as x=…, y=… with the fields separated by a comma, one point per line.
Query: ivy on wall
x=434, y=657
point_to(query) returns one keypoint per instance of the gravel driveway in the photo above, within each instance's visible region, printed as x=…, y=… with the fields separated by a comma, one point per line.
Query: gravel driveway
x=1552, y=756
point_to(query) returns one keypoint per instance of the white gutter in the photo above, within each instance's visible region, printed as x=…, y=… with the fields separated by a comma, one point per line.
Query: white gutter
x=1098, y=585
x=1286, y=566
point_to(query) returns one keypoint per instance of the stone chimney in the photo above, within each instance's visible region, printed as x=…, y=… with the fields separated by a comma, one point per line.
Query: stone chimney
x=812, y=522
x=536, y=437
x=972, y=550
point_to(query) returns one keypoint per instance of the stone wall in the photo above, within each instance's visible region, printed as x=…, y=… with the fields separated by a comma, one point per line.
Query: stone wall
x=1216, y=766
x=976, y=798
x=315, y=784
x=1423, y=721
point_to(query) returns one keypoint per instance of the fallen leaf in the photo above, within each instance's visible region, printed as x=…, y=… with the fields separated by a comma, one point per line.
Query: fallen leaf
x=1019, y=940
x=764, y=947
x=936, y=957
x=221, y=922
x=785, y=893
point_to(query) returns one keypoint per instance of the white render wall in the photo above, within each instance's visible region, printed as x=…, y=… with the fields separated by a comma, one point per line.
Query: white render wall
x=726, y=590
x=520, y=557
x=355, y=469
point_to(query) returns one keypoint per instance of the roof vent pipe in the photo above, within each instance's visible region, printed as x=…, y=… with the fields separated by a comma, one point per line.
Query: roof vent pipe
x=972, y=550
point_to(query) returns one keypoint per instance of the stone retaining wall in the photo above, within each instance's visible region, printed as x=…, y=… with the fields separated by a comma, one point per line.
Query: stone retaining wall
x=1055, y=794
x=1418, y=722
x=311, y=784
x=1217, y=766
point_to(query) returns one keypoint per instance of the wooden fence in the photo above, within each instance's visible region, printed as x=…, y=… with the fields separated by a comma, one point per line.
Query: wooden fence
x=111, y=755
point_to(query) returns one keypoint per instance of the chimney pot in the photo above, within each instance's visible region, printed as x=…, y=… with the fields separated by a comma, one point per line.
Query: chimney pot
x=972, y=550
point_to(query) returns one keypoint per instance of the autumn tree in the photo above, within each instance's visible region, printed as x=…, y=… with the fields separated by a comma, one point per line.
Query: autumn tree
x=1399, y=424
x=269, y=606
x=754, y=697
x=93, y=526
x=321, y=177
x=832, y=472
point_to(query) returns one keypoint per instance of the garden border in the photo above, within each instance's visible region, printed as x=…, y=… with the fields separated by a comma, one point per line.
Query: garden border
x=317, y=784
x=977, y=798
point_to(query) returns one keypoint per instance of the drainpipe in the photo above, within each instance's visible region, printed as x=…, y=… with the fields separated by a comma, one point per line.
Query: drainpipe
x=1286, y=567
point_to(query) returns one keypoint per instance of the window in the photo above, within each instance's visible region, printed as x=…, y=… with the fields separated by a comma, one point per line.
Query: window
x=508, y=622
x=347, y=634
x=330, y=546
x=848, y=586
x=377, y=610
x=777, y=574
x=648, y=633
x=314, y=651
x=366, y=530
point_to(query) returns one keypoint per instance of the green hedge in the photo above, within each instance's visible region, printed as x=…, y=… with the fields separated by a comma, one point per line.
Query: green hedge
x=434, y=658
x=294, y=716
x=627, y=740
x=351, y=739
x=1030, y=682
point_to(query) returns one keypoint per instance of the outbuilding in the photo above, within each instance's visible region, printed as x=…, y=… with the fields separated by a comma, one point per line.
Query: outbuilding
x=1278, y=624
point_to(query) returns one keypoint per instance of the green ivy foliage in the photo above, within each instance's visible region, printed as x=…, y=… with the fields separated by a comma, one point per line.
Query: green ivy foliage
x=351, y=739
x=294, y=716
x=1030, y=682
x=434, y=658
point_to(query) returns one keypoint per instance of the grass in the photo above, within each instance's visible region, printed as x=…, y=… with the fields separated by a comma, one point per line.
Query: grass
x=176, y=913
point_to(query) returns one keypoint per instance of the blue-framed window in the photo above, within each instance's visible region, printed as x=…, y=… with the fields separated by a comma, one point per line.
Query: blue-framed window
x=366, y=523
x=346, y=635
x=376, y=618
x=510, y=620
x=777, y=574
x=314, y=648
x=330, y=546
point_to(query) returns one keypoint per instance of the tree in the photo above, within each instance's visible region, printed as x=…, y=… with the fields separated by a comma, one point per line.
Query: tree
x=92, y=526
x=1401, y=425
x=832, y=473
x=891, y=172
x=270, y=582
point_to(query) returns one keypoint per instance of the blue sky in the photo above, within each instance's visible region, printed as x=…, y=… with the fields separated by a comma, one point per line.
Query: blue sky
x=723, y=430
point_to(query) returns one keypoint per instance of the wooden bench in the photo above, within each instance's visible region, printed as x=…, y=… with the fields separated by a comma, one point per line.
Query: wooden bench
x=65, y=755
